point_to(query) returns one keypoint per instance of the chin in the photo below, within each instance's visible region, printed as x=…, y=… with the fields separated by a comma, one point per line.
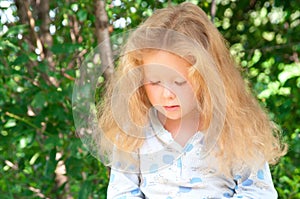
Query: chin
x=173, y=117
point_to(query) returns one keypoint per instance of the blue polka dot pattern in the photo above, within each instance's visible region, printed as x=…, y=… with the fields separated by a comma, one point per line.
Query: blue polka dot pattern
x=168, y=159
x=237, y=177
x=144, y=182
x=153, y=168
x=227, y=195
x=112, y=178
x=184, y=189
x=188, y=147
x=118, y=164
x=260, y=174
x=135, y=192
x=131, y=167
x=195, y=180
x=179, y=163
x=167, y=175
x=247, y=182
x=236, y=187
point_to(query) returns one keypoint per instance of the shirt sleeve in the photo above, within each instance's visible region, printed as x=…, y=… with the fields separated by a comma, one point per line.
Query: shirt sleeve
x=123, y=185
x=258, y=184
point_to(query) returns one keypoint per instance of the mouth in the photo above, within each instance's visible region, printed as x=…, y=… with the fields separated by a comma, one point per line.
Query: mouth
x=172, y=108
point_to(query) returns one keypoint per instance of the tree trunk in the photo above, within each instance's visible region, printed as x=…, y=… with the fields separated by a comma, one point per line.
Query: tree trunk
x=102, y=34
x=25, y=14
x=43, y=9
x=40, y=42
x=213, y=10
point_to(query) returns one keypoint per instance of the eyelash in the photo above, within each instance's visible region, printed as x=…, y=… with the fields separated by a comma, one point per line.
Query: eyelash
x=158, y=82
x=154, y=83
x=180, y=83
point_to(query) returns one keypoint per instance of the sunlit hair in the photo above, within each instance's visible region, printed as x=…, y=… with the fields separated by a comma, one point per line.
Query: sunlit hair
x=248, y=135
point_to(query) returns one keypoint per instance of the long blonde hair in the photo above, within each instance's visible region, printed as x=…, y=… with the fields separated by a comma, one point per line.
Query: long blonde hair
x=247, y=134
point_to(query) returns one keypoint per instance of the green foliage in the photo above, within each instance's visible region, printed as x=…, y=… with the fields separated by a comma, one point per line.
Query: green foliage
x=37, y=133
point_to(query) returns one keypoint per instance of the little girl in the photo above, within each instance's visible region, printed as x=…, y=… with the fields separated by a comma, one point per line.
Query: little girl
x=177, y=120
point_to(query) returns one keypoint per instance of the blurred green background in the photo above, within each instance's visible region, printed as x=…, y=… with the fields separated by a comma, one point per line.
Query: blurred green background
x=43, y=43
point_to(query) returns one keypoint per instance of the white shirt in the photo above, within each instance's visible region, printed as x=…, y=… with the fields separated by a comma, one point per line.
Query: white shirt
x=169, y=171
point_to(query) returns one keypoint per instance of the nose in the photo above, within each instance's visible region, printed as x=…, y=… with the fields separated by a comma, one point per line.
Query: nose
x=167, y=93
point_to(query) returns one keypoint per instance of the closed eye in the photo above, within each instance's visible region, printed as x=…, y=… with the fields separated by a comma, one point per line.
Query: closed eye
x=180, y=83
x=154, y=82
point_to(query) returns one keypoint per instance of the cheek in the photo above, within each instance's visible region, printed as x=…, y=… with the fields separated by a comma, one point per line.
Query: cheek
x=186, y=97
x=151, y=93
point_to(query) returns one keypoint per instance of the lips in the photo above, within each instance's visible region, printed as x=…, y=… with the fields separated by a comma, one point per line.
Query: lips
x=172, y=108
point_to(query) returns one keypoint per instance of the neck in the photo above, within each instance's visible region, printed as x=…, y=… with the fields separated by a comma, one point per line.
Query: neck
x=181, y=129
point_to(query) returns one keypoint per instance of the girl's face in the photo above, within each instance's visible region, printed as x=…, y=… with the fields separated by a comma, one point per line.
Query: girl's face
x=167, y=86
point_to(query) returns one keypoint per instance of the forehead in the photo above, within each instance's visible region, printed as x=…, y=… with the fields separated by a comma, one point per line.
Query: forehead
x=165, y=62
